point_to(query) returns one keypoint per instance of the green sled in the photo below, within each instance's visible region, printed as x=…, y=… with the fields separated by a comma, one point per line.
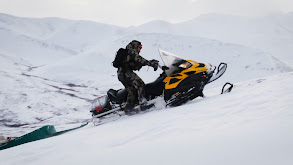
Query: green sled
x=41, y=133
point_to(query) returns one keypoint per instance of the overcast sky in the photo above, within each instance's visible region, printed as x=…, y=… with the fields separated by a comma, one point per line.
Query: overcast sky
x=136, y=12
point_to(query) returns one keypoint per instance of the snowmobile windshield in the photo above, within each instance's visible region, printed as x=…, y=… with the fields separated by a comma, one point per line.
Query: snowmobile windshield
x=173, y=62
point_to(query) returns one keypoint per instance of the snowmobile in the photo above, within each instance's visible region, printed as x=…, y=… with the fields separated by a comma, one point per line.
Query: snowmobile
x=181, y=81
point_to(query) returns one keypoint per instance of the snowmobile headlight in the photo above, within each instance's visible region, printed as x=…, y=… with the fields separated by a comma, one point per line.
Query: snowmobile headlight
x=185, y=65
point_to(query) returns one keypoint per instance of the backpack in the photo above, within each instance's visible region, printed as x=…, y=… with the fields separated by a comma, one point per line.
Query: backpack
x=120, y=57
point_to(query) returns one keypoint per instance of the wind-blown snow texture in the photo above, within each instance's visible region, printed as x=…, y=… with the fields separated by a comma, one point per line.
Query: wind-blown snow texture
x=52, y=68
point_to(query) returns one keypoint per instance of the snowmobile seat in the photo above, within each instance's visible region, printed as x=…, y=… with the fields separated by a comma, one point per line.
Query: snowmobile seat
x=117, y=97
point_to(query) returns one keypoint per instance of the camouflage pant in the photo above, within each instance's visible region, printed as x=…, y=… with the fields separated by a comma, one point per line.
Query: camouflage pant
x=134, y=86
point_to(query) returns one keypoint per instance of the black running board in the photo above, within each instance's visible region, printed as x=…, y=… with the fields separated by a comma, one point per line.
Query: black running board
x=106, y=113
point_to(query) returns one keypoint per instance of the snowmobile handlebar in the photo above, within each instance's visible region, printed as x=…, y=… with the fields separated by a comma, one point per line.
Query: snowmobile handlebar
x=163, y=67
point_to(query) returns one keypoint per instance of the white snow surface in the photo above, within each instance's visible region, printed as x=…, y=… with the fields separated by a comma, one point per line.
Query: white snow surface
x=51, y=69
x=251, y=125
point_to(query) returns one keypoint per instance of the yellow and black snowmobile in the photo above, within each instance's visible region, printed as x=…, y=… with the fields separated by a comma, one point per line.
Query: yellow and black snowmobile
x=181, y=81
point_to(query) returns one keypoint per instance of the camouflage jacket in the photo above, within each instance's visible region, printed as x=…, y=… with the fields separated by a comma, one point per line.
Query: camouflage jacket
x=133, y=61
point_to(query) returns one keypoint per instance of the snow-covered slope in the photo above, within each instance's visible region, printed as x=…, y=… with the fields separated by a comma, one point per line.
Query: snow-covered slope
x=42, y=28
x=47, y=40
x=243, y=62
x=272, y=34
x=52, y=68
x=81, y=35
x=24, y=39
x=251, y=125
x=40, y=57
x=36, y=51
x=28, y=102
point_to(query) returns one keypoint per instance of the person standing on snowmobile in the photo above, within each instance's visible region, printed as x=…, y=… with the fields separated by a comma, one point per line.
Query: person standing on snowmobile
x=131, y=81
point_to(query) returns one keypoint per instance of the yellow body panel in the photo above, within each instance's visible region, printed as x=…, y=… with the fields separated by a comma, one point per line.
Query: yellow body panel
x=181, y=76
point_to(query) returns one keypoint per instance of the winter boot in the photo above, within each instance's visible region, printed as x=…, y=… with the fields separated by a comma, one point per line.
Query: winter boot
x=143, y=101
x=128, y=108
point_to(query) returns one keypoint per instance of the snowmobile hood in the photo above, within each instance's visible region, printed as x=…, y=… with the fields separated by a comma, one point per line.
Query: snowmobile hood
x=180, y=69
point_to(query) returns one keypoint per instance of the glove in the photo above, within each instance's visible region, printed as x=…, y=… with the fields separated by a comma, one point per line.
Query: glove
x=154, y=64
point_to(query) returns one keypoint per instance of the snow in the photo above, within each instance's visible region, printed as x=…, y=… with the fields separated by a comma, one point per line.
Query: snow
x=241, y=127
x=52, y=68
x=271, y=34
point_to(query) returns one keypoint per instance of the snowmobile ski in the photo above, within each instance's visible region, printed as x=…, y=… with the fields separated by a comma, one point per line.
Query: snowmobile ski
x=221, y=70
x=227, y=88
